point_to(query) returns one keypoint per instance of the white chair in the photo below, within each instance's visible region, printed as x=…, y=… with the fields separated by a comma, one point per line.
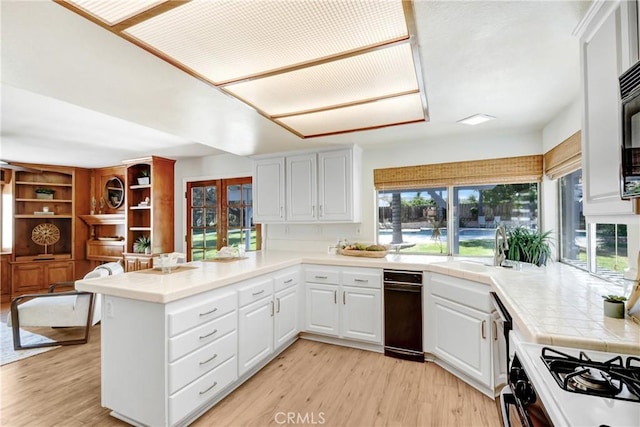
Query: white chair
x=59, y=309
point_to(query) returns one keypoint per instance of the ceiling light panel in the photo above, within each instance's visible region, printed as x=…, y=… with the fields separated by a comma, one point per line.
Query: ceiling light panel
x=372, y=75
x=401, y=109
x=114, y=11
x=229, y=40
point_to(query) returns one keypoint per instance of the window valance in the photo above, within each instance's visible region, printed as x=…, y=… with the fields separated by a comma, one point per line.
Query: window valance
x=511, y=170
x=564, y=158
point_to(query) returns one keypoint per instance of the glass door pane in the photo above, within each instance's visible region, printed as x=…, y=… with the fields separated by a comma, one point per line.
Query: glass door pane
x=202, y=240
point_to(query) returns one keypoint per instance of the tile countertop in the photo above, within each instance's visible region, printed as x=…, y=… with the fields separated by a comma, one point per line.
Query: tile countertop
x=555, y=305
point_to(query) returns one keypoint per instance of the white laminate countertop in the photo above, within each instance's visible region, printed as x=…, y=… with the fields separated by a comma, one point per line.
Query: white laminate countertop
x=555, y=305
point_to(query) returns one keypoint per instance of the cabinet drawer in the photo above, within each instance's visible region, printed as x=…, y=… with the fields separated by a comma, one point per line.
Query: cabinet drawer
x=465, y=292
x=255, y=291
x=202, y=361
x=363, y=279
x=202, y=390
x=286, y=279
x=202, y=335
x=200, y=313
x=321, y=275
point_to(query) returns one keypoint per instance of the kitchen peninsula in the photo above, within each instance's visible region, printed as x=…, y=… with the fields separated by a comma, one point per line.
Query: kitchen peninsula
x=180, y=339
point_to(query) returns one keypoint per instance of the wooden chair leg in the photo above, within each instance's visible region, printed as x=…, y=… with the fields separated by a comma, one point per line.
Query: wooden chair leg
x=15, y=325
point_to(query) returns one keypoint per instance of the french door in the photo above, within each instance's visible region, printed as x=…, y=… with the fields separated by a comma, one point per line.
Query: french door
x=220, y=213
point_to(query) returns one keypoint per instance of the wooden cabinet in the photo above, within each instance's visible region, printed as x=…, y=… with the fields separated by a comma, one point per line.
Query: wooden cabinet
x=458, y=328
x=608, y=49
x=5, y=277
x=344, y=302
x=150, y=204
x=48, y=237
x=35, y=277
x=319, y=187
x=268, y=190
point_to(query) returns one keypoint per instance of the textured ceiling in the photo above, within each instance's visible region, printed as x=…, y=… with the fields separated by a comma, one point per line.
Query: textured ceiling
x=515, y=60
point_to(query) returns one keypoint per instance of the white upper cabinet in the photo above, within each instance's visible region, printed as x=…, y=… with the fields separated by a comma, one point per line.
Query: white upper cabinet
x=318, y=187
x=608, y=48
x=302, y=187
x=268, y=190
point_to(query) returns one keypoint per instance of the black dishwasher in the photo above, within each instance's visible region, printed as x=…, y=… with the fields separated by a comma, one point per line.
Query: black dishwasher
x=403, y=315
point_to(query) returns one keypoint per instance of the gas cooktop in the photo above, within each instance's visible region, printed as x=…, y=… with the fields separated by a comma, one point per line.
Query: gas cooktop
x=616, y=378
x=583, y=387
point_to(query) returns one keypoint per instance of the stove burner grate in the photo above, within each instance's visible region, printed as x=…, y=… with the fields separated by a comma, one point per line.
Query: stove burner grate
x=582, y=375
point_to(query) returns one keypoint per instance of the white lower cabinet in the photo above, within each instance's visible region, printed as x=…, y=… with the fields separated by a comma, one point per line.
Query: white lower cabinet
x=269, y=321
x=322, y=309
x=460, y=336
x=458, y=328
x=255, y=325
x=499, y=351
x=344, y=302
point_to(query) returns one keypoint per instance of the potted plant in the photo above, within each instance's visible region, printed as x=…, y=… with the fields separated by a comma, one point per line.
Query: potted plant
x=614, y=306
x=142, y=245
x=530, y=246
x=144, y=178
x=44, y=193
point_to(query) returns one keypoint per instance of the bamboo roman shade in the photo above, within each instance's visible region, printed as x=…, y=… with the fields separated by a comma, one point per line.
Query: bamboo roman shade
x=493, y=171
x=564, y=158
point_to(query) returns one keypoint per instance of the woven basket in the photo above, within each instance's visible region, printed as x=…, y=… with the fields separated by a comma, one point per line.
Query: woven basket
x=365, y=254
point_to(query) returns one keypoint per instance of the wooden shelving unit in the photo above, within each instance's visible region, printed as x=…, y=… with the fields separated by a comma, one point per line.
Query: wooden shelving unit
x=33, y=268
x=150, y=209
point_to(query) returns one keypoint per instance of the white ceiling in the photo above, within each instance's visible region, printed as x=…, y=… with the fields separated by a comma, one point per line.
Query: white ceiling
x=76, y=94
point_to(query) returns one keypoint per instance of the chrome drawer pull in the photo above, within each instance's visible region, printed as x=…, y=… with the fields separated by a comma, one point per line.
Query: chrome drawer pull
x=208, y=335
x=209, y=312
x=321, y=277
x=288, y=281
x=361, y=280
x=258, y=293
x=484, y=334
x=207, y=390
x=209, y=359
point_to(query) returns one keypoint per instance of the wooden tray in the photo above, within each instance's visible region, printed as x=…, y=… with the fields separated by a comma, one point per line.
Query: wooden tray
x=365, y=254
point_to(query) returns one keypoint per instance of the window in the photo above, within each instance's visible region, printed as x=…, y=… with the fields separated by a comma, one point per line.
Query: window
x=479, y=209
x=414, y=221
x=573, y=229
x=220, y=213
x=417, y=220
x=598, y=248
x=610, y=247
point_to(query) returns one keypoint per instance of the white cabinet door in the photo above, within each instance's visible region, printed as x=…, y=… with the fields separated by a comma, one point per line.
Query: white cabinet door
x=499, y=351
x=461, y=337
x=322, y=309
x=361, y=314
x=255, y=335
x=302, y=187
x=268, y=190
x=335, y=191
x=602, y=63
x=286, y=316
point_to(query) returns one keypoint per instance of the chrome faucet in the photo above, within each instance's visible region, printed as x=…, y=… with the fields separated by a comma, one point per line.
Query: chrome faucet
x=500, y=246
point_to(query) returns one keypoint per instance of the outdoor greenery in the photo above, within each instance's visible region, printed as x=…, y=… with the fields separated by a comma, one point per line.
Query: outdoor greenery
x=209, y=241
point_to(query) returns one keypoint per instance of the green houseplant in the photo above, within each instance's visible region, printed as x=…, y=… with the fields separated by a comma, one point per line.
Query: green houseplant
x=530, y=246
x=142, y=245
x=144, y=178
x=44, y=193
x=614, y=306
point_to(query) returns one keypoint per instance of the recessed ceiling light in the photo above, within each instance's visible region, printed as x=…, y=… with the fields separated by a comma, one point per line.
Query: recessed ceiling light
x=476, y=119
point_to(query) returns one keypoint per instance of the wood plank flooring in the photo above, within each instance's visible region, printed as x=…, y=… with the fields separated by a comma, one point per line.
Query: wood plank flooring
x=309, y=384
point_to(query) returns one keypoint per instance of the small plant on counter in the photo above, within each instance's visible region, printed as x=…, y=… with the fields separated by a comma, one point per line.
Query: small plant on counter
x=614, y=298
x=142, y=245
x=614, y=306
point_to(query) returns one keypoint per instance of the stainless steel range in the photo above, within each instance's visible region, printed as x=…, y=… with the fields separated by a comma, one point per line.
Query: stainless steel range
x=569, y=387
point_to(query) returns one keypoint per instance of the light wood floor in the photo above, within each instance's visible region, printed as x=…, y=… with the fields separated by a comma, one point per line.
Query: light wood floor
x=319, y=384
